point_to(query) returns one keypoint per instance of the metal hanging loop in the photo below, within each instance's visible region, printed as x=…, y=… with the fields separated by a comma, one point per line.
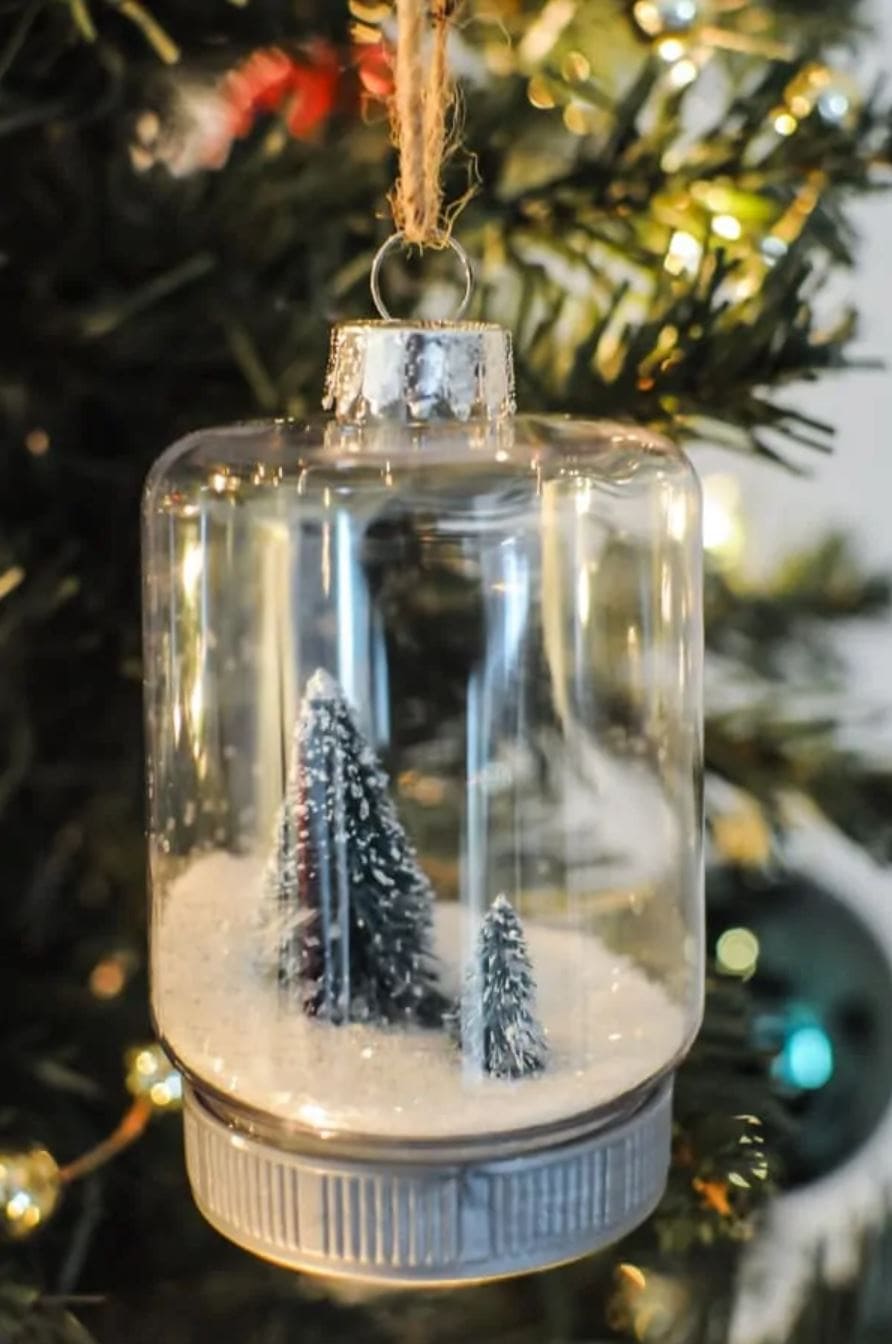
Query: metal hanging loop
x=398, y=240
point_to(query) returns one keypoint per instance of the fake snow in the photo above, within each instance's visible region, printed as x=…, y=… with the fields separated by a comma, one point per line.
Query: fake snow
x=609, y=1027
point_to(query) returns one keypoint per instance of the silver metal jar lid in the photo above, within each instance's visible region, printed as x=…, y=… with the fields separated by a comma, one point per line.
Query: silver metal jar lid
x=420, y=1222
x=414, y=372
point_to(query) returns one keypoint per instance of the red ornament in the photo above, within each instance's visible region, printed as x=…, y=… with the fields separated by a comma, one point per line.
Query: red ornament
x=374, y=67
x=313, y=92
x=259, y=82
x=305, y=85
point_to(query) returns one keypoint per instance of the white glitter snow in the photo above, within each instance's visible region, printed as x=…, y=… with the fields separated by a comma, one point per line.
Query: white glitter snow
x=609, y=1028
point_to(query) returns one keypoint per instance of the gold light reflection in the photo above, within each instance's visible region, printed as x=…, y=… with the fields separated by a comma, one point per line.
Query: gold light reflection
x=196, y=705
x=677, y=518
x=326, y=545
x=326, y=559
x=633, y=648
x=221, y=482
x=192, y=569
x=313, y=1114
x=666, y=593
x=583, y=596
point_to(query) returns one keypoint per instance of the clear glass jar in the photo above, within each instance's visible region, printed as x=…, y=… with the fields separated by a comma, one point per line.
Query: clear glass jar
x=424, y=721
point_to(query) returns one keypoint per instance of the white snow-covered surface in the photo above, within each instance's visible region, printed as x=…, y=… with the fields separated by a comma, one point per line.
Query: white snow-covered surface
x=609, y=1027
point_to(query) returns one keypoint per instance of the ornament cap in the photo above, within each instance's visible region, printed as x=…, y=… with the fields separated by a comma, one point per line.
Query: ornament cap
x=424, y=1221
x=416, y=372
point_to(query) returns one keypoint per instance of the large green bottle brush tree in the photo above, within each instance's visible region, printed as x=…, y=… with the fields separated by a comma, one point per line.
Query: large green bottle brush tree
x=346, y=911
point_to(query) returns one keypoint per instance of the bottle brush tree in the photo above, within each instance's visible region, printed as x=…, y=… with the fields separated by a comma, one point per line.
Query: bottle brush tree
x=347, y=911
x=496, y=1016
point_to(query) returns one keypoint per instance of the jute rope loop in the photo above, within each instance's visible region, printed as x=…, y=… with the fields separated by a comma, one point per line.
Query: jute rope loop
x=420, y=111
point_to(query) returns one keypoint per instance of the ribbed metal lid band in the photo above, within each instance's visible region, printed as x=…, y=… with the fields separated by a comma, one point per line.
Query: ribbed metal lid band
x=416, y=372
x=428, y=1224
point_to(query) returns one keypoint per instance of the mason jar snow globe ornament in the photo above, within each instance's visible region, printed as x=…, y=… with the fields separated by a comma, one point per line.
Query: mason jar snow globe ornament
x=424, y=719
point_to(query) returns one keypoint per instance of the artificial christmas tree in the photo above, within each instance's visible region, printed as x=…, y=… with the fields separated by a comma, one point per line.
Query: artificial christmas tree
x=656, y=216
x=347, y=908
x=496, y=1018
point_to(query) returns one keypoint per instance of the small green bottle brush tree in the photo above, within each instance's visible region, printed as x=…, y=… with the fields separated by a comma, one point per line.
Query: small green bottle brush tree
x=495, y=1019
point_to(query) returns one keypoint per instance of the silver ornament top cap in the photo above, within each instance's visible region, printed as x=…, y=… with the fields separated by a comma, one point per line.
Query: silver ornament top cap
x=416, y=372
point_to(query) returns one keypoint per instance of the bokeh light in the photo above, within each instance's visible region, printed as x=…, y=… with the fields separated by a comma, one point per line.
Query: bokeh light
x=806, y=1060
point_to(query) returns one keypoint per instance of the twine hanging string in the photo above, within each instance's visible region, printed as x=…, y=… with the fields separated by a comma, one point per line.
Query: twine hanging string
x=423, y=96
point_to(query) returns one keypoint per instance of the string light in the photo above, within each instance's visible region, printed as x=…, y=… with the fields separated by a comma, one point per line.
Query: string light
x=657, y=17
x=646, y=1305
x=539, y=94
x=737, y=953
x=684, y=38
x=37, y=442
x=579, y=119
x=31, y=1180
x=671, y=49
x=742, y=836
x=576, y=68
x=785, y=124
x=30, y=1189
x=727, y=227
x=684, y=72
x=150, y=1074
x=109, y=976
x=831, y=94
x=684, y=254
